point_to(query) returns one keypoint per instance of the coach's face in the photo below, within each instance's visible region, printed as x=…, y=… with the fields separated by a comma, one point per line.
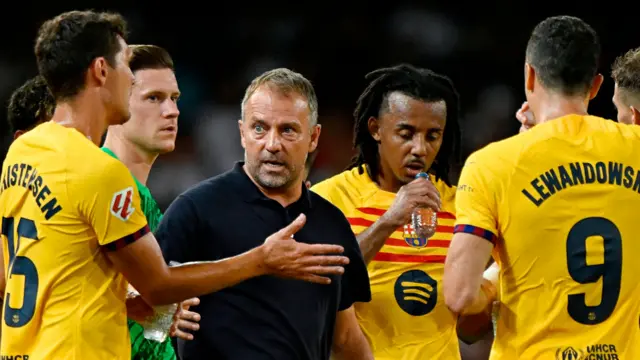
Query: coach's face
x=409, y=133
x=277, y=136
x=154, y=111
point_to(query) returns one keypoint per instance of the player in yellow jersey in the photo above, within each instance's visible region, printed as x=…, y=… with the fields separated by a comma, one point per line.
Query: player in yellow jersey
x=626, y=93
x=406, y=122
x=72, y=225
x=553, y=205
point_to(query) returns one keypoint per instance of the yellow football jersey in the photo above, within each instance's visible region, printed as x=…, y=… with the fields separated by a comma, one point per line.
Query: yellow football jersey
x=406, y=318
x=559, y=202
x=63, y=203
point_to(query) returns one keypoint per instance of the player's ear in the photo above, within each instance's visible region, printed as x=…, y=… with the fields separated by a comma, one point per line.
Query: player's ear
x=17, y=134
x=635, y=115
x=315, y=137
x=374, y=128
x=98, y=70
x=241, y=133
x=529, y=77
x=595, y=86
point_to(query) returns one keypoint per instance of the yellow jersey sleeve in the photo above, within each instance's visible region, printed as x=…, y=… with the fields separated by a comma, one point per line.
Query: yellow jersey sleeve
x=476, y=205
x=109, y=200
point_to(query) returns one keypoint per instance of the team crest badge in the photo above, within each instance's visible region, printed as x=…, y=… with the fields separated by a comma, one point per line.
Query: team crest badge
x=411, y=238
x=122, y=204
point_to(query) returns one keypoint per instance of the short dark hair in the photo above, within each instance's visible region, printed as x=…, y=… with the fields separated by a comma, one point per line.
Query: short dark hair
x=285, y=81
x=30, y=105
x=565, y=53
x=421, y=84
x=149, y=57
x=626, y=71
x=67, y=44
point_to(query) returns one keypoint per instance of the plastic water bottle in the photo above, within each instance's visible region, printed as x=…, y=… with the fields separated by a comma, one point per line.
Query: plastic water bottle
x=157, y=326
x=424, y=220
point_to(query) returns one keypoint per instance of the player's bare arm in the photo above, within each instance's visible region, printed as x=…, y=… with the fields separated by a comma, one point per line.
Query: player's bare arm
x=137, y=308
x=349, y=343
x=465, y=289
x=143, y=265
x=419, y=192
x=476, y=327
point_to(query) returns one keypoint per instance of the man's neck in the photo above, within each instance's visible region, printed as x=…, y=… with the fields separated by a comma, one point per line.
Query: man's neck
x=138, y=161
x=385, y=180
x=285, y=197
x=553, y=106
x=83, y=114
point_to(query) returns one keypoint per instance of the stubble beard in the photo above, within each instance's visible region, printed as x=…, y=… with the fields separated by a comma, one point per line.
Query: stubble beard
x=269, y=180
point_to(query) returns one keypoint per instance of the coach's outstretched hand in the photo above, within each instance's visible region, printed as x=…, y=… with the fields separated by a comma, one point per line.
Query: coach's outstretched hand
x=285, y=257
x=419, y=192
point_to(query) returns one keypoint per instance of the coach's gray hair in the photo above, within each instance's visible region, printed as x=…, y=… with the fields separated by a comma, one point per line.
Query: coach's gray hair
x=285, y=81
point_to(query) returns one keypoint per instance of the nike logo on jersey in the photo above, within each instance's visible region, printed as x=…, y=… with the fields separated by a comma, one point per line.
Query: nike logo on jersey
x=122, y=204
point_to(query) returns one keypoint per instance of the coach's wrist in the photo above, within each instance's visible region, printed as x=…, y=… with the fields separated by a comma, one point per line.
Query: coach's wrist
x=256, y=261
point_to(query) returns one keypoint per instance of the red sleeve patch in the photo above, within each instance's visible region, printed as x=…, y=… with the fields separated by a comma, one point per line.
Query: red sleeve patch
x=122, y=204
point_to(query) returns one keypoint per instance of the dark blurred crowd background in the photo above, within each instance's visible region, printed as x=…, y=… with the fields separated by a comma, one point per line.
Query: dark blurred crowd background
x=218, y=47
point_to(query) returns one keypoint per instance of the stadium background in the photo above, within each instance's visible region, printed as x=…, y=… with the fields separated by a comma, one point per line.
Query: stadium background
x=218, y=47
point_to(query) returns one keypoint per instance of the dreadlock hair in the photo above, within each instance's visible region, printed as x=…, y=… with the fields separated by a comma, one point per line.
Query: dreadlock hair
x=420, y=84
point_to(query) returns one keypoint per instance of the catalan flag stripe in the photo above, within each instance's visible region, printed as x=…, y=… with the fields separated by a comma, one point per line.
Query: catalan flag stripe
x=380, y=212
x=430, y=243
x=470, y=229
x=409, y=258
x=356, y=221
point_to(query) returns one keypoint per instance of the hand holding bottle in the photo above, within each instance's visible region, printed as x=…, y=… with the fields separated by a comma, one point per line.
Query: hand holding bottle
x=418, y=193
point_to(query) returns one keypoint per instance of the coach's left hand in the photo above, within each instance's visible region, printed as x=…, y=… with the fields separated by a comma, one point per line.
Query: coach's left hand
x=185, y=320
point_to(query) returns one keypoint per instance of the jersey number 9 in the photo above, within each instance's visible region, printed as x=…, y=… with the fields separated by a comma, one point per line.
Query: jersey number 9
x=20, y=265
x=610, y=270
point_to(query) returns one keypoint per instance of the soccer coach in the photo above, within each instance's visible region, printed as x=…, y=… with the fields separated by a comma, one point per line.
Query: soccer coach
x=269, y=317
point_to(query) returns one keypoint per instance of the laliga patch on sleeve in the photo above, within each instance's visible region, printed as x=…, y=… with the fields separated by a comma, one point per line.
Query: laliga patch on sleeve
x=122, y=204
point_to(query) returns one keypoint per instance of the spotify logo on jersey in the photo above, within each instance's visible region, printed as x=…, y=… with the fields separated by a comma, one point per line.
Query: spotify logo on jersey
x=416, y=292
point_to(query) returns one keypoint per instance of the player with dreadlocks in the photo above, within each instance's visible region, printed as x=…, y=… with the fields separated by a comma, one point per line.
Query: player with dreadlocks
x=406, y=122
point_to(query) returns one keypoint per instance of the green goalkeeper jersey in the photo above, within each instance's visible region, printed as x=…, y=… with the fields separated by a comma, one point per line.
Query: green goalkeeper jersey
x=141, y=348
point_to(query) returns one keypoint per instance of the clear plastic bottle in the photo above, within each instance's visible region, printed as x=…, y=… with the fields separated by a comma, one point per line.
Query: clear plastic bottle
x=424, y=220
x=157, y=326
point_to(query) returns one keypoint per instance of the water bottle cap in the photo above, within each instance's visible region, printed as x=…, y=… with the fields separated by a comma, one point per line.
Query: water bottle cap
x=422, y=175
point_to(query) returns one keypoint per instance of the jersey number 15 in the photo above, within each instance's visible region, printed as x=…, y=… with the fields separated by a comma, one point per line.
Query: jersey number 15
x=20, y=265
x=610, y=270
